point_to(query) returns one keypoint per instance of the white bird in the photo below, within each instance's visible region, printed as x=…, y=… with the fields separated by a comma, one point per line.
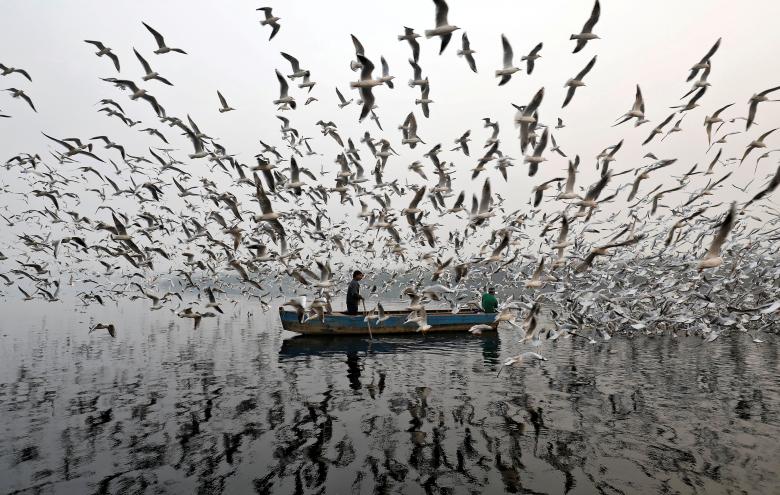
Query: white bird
x=284, y=88
x=531, y=58
x=467, y=52
x=577, y=81
x=102, y=50
x=150, y=74
x=713, y=258
x=587, y=30
x=526, y=357
x=161, y=47
x=506, y=72
x=270, y=20
x=224, y=106
x=365, y=84
x=342, y=101
x=443, y=29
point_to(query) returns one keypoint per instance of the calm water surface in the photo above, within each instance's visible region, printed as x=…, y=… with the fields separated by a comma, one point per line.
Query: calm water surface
x=238, y=407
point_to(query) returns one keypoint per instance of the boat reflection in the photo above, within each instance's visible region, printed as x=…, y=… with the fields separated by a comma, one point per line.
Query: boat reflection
x=356, y=346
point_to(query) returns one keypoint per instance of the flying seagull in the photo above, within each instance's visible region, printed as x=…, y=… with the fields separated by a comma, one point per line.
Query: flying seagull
x=270, y=20
x=587, y=30
x=161, y=47
x=104, y=50
x=443, y=29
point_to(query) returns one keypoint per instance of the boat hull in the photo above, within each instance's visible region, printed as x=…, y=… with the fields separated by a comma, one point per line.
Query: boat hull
x=342, y=324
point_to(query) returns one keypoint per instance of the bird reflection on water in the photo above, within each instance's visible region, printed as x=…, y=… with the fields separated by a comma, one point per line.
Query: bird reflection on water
x=238, y=406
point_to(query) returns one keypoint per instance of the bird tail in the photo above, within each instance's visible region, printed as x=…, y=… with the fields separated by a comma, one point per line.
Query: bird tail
x=411, y=83
x=572, y=37
x=429, y=33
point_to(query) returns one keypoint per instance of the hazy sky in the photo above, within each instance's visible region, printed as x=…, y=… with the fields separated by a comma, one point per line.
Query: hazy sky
x=648, y=43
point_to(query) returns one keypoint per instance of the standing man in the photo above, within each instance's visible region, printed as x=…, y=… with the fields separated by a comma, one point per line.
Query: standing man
x=353, y=293
x=489, y=301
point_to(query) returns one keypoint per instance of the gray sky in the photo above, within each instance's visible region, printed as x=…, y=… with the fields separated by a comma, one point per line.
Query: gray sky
x=649, y=43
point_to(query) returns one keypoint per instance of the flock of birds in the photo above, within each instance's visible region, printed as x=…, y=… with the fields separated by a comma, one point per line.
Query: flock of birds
x=700, y=266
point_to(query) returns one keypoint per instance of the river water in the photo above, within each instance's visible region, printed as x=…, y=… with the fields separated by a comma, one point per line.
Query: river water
x=238, y=406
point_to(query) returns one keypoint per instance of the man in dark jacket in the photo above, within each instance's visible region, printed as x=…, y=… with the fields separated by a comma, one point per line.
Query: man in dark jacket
x=353, y=293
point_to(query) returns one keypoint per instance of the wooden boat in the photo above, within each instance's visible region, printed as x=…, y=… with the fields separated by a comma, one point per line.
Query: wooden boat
x=440, y=320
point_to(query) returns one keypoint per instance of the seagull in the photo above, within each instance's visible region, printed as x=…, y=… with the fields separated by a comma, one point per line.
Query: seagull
x=73, y=150
x=587, y=30
x=758, y=143
x=161, y=48
x=523, y=358
x=138, y=93
x=704, y=63
x=754, y=101
x=296, y=66
x=410, y=36
x=342, y=102
x=424, y=100
x=463, y=142
x=537, y=158
x=712, y=258
x=104, y=50
x=571, y=177
x=386, y=77
x=531, y=58
x=539, y=190
x=659, y=129
x=577, y=81
x=443, y=29
x=637, y=111
x=150, y=74
x=526, y=117
x=467, y=52
x=562, y=243
x=4, y=71
x=212, y=300
x=365, y=84
x=224, y=106
x=714, y=119
x=18, y=93
x=417, y=79
x=270, y=20
x=506, y=73
x=105, y=326
x=284, y=98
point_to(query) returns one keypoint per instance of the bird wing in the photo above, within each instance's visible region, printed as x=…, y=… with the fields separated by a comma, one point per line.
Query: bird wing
x=341, y=97
x=507, y=52
x=593, y=19
x=284, y=87
x=296, y=66
x=368, y=67
x=359, y=50
x=368, y=102
x=441, y=12
x=157, y=36
x=484, y=204
x=723, y=232
x=588, y=67
x=222, y=100
x=143, y=61
x=97, y=44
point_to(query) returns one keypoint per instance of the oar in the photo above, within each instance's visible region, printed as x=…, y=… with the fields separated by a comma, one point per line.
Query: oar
x=368, y=321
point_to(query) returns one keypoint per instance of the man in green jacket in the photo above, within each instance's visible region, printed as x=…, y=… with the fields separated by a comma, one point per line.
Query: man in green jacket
x=489, y=301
